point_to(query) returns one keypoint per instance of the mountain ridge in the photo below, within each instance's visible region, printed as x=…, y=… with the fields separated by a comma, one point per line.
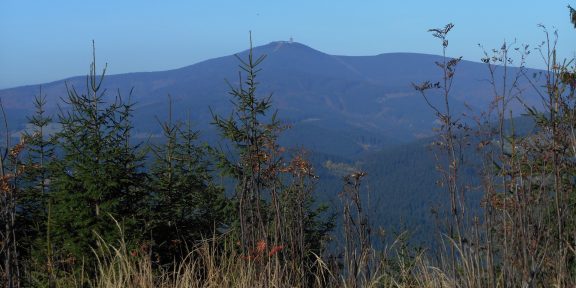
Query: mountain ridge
x=354, y=98
x=274, y=44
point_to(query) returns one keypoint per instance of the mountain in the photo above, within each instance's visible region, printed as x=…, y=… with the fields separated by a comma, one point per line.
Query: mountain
x=351, y=112
x=341, y=105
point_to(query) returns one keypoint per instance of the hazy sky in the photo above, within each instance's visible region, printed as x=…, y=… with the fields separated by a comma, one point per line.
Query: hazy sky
x=42, y=41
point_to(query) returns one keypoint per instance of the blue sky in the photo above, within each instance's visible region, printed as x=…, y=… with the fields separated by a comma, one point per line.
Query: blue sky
x=42, y=41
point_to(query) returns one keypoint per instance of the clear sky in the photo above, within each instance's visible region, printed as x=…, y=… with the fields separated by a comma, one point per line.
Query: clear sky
x=42, y=41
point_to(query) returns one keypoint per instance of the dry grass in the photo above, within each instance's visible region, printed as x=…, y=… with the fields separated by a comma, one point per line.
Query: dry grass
x=215, y=263
x=212, y=263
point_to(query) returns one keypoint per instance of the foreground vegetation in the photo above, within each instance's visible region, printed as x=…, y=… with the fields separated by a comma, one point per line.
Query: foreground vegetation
x=85, y=207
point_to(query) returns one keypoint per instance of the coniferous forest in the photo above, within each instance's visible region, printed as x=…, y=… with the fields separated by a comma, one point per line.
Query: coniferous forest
x=88, y=205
